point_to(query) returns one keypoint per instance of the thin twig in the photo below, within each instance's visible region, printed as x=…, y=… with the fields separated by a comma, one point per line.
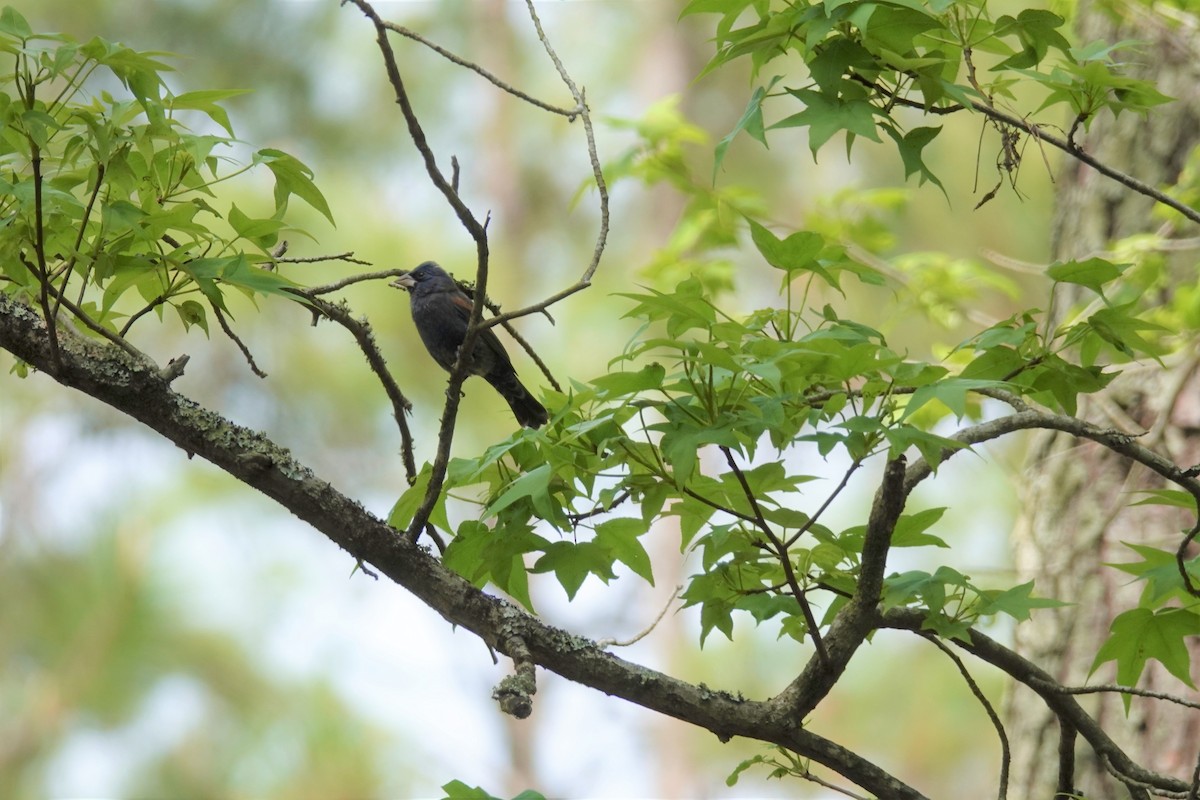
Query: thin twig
x=806, y=527
x=1117, y=689
x=1067, y=146
x=241, y=345
x=477, y=231
x=1005, y=753
x=575, y=519
x=569, y=113
x=492, y=306
x=313, y=291
x=781, y=552
x=360, y=329
x=346, y=256
x=39, y=247
x=69, y=264
x=92, y=325
x=627, y=642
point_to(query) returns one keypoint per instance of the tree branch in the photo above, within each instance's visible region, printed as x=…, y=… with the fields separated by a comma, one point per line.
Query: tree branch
x=137, y=389
x=1117, y=441
x=855, y=620
x=362, y=333
x=478, y=232
x=1135, y=776
x=1040, y=133
x=569, y=113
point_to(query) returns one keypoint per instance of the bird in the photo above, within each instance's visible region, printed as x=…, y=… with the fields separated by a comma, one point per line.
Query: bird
x=441, y=311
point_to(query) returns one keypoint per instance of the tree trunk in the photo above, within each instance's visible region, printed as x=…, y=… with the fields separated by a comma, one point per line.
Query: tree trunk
x=1076, y=495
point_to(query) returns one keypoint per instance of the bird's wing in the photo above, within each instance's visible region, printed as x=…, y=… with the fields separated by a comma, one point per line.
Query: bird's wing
x=463, y=306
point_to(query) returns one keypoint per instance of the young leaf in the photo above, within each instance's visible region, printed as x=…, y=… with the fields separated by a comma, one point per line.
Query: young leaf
x=751, y=122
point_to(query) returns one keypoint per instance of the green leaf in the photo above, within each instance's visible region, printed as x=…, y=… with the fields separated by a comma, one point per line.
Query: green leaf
x=951, y=392
x=407, y=504
x=572, y=562
x=1093, y=273
x=619, y=538
x=192, y=313
x=824, y=116
x=207, y=101
x=797, y=252
x=1119, y=327
x=910, y=529
x=681, y=444
x=891, y=28
x=911, y=145
x=621, y=384
x=1166, y=497
x=534, y=485
x=1017, y=602
x=1036, y=31
x=292, y=177
x=751, y=122
x=1159, y=570
x=238, y=271
x=263, y=232
x=1138, y=635
x=13, y=24
x=457, y=790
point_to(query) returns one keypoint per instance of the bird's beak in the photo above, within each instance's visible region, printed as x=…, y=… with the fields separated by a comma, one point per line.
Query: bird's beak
x=404, y=282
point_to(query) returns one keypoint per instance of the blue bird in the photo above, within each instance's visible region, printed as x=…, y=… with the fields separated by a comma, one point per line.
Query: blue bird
x=441, y=311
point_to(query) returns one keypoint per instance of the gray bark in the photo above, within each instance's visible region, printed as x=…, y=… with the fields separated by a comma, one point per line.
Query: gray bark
x=1075, y=496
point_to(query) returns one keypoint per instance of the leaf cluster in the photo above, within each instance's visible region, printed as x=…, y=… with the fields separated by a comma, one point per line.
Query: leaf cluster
x=706, y=420
x=110, y=200
x=866, y=58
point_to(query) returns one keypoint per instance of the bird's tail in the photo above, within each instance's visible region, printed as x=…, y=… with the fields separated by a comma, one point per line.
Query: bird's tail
x=528, y=411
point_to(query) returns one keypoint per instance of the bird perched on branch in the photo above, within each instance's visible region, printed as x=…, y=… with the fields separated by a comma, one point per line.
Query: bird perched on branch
x=441, y=312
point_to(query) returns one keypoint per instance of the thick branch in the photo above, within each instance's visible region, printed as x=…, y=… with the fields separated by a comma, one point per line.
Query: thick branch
x=856, y=619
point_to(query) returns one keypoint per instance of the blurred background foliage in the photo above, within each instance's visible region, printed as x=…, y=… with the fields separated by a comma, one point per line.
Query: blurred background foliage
x=165, y=634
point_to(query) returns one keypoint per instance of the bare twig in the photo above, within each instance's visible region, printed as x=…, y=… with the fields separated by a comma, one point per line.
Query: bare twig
x=347, y=256
x=477, y=231
x=492, y=306
x=627, y=642
x=1117, y=689
x=569, y=113
x=39, y=247
x=241, y=345
x=1005, y=753
x=575, y=519
x=313, y=291
x=360, y=329
x=806, y=527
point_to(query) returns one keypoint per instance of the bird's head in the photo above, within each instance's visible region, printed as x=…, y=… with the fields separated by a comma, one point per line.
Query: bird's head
x=429, y=274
